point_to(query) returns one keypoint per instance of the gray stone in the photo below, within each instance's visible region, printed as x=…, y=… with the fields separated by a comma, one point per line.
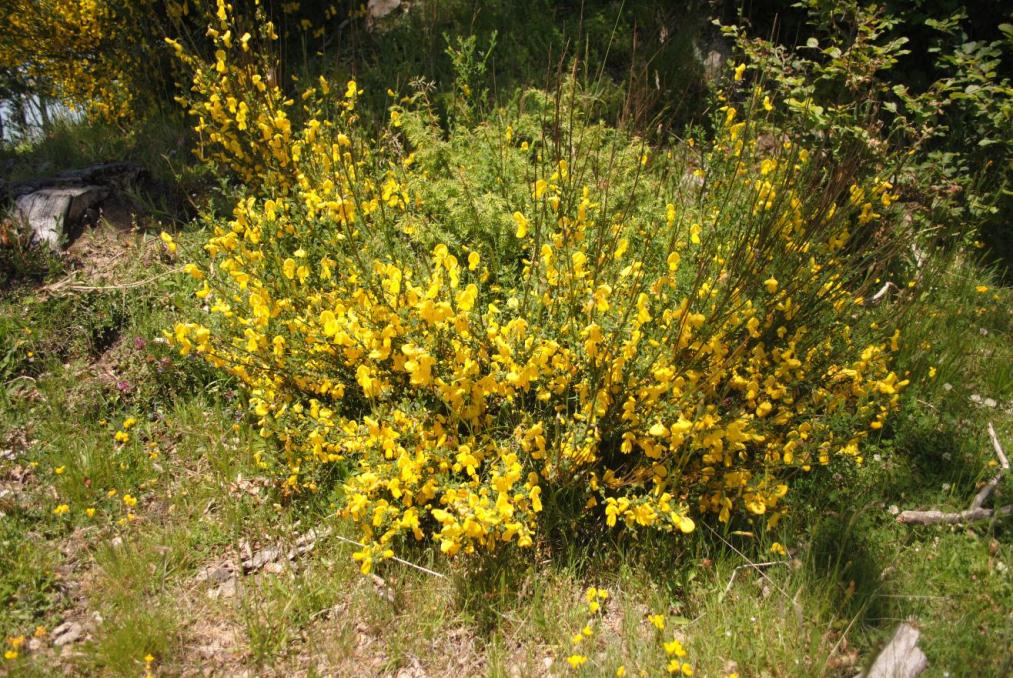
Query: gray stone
x=67, y=633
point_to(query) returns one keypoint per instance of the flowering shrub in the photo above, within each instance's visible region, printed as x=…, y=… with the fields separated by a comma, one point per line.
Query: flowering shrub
x=74, y=49
x=108, y=57
x=534, y=313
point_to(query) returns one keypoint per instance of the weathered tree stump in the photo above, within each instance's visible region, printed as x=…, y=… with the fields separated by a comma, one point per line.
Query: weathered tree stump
x=55, y=214
x=56, y=209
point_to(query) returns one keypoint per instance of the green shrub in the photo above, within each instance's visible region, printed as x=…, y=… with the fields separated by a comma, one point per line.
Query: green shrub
x=534, y=313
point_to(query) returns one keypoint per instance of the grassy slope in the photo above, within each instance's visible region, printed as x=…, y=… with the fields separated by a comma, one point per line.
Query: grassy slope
x=76, y=364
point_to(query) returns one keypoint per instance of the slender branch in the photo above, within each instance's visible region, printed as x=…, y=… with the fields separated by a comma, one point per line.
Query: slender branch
x=979, y=499
x=400, y=560
x=958, y=518
x=976, y=511
x=881, y=294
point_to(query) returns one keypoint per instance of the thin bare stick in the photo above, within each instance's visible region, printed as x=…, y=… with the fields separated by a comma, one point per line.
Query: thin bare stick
x=745, y=558
x=979, y=499
x=65, y=286
x=23, y=377
x=881, y=294
x=957, y=518
x=747, y=566
x=976, y=512
x=400, y=560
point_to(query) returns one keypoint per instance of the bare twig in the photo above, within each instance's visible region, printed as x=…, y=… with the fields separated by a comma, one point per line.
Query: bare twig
x=400, y=560
x=956, y=518
x=747, y=566
x=976, y=511
x=759, y=570
x=979, y=499
x=881, y=294
x=66, y=286
x=23, y=377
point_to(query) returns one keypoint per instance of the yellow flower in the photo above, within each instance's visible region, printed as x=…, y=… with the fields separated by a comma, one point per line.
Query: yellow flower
x=129, y=500
x=90, y=512
x=121, y=436
x=778, y=549
x=740, y=71
x=981, y=289
x=621, y=671
x=59, y=470
x=673, y=261
x=576, y=660
x=771, y=284
x=128, y=423
x=694, y=234
x=60, y=510
x=473, y=260
x=169, y=243
x=657, y=620
x=932, y=373
x=11, y=655
x=674, y=647
x=522, y=224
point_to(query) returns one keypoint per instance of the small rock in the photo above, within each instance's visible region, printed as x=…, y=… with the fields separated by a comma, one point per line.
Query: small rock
x=383, y=589
x=67, y=633
x=901, y=658
x=380, y=8
x=216, y=574
x=226, y=590
x=274, y=567
x=259, y=559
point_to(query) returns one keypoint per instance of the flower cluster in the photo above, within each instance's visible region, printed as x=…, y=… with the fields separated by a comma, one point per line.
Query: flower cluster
x=474, y=329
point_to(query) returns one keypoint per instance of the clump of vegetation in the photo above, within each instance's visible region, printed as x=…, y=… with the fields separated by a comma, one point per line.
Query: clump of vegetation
x=534, y=314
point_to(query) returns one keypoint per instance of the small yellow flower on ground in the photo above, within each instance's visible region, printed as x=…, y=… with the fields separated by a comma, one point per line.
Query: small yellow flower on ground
x=576, y=660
